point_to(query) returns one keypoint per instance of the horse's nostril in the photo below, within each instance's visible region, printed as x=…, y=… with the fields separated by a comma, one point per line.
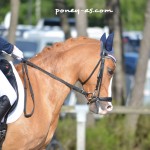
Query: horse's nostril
x=109, y=108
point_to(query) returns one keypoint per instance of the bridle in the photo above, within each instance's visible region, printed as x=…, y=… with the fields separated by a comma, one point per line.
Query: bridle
x=95, y=96
x=91, y=96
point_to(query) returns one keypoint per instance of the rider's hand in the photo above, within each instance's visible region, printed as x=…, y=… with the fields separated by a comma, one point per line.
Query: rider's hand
x=17, y=53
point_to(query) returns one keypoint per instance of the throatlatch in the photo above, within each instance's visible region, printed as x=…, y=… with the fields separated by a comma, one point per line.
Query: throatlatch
x=106, y=47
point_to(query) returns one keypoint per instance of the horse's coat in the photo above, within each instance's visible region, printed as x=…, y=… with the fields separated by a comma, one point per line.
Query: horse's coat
x=72, y=60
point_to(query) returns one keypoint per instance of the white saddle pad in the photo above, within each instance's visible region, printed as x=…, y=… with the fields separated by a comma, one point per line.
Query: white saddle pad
x=16, y=113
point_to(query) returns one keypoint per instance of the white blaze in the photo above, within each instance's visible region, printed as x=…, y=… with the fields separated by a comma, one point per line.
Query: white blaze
x=109, y=88
x=109, y=107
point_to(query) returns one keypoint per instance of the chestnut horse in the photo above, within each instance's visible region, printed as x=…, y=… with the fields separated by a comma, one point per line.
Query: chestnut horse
x=72, y=61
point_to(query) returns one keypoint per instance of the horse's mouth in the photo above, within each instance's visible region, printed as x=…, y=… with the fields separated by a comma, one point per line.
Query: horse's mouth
x=101, y=107
x=109, y=106
x=107, y=109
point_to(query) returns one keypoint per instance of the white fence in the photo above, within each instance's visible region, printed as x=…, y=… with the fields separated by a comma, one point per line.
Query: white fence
x=81, y=112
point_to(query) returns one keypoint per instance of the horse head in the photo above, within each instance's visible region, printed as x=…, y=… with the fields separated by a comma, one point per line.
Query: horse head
x=97, y=82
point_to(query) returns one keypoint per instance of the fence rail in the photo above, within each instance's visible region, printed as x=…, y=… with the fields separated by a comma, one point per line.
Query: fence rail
x=131, y=110
x=116, y=110
x=82, y=110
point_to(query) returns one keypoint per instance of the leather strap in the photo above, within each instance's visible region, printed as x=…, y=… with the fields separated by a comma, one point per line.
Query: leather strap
x=107, y=99
x=27, y=79
x=55, y=77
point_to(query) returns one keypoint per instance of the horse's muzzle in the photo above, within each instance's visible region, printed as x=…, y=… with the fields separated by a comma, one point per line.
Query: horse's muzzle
x=98, y=106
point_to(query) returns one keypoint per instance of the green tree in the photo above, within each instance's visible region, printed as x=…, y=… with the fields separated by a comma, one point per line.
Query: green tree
x=132, y=12
x=14, y=20
x=137, y=93
x=4, y=8
x=60, y=4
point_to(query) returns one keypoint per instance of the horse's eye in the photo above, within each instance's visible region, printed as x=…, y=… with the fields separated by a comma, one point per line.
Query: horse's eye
x=110, y=71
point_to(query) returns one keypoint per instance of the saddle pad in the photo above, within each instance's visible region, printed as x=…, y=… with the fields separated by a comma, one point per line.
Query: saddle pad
x=18, y=110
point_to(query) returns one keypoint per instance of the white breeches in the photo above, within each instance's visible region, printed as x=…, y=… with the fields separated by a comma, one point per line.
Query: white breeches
x=7, y=89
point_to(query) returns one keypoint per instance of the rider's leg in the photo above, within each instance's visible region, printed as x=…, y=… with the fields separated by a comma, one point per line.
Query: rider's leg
x=7, y=70
x=7, y=95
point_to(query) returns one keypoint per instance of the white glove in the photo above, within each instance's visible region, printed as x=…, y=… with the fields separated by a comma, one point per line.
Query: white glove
x=17, y=53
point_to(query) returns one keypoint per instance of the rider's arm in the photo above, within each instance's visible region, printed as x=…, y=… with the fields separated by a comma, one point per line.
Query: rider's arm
x=9, y=48
x=6, y=46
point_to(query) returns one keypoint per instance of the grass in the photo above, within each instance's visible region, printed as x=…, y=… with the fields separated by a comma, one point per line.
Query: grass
x=106, y=134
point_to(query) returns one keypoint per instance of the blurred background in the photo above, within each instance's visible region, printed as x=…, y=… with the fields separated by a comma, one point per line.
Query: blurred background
x=33, y=24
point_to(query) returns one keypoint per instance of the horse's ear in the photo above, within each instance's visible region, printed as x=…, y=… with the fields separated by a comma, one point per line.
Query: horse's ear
x=103, y=38
x=109, y=42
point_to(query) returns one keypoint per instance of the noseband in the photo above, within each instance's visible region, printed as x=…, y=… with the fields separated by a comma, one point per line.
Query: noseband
x=91, y=96
x=95, y=96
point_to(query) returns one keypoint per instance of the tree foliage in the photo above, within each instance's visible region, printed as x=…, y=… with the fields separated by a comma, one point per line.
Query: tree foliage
x=4, y=8
x=132, y=12
x=108, y=133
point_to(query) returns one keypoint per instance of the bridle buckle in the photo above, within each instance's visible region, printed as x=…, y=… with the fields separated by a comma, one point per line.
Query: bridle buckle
x=91, y=96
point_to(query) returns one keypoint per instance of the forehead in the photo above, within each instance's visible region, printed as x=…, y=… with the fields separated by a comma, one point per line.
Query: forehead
x=110, y=61
x=112, y=57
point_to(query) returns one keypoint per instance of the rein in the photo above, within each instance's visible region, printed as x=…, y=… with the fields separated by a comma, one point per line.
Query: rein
x=25, y=75
x=92, y=99
x=26, y=62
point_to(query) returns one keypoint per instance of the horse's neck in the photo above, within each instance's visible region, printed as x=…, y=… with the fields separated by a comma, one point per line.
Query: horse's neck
x=64, y=65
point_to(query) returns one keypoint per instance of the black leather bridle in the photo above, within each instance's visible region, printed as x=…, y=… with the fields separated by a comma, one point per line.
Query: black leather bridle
x=91, y=96
x=95, y=96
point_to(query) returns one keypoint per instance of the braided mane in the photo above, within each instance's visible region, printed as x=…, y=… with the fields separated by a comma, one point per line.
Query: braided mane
x=66, y=45
x=63, y=46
